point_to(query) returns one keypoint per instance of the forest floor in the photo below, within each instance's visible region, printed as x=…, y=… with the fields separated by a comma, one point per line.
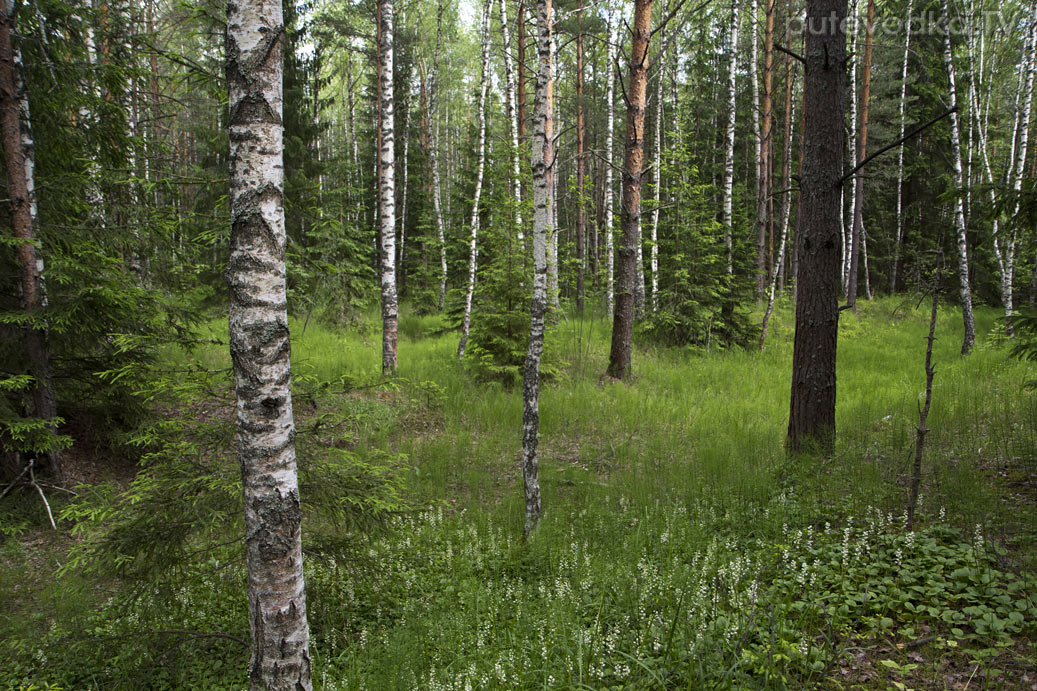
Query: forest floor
x=680, y=546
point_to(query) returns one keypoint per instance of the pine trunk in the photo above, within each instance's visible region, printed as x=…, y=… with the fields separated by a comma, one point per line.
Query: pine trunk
x=812, y=404
x=626, y=266
x=260, y=349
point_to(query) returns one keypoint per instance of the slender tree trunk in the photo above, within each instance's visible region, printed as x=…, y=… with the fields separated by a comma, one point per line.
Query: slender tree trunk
x=19, y=162
x=437, y=204
x=538, y=305
x=729, y=139
x=552, y=182
x=812, y=405
x=623, y=320
x=259, y=347
x=513, y=120
x=898, y=242
x=862, y=151
x=473, y=249
x=520, y=87
x=387, y=186
x=400, y=275
x=764, y=208
x=581, y=164
x=923, y=413
x=657, y=171
x=959, y=209
x=610, y=128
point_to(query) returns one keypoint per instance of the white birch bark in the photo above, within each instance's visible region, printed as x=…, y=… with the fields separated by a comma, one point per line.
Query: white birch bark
x=403, y=192
x=509, y=78
x=657, y=180
x=538, y=306
x=473, y=249
x=900, y=155
x=553, y=124
x=387, y=187
x=729, y=138
x=259, y=347
x=959, y=210
x=433, y=137
x=610, y=128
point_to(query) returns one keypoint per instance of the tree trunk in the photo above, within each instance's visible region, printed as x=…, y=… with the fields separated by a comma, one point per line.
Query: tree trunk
x=20, y=162
x=552, y=183
x=623, y=320
x=581, y=164
x=433, y=118
x=657, y=172
x=959, y=209
x=764, y=207
x=473, y=250
x=812, y=404
x=729, y=139
x=260, y=349
x=898, y=242
x=387, y=186
x=538, y=305
x=513, y=119
x=862, y=151
x=610, y=128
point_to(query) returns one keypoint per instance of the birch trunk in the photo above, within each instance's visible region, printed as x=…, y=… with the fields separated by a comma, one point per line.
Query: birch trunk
x=959, y=210
x=581, y=163
x=20, y=162
x=657, y=180
x=764, y=209
x=898, y=242
x=260, y=347
x=513, y=120
x=623, y=320
x=387, y=186
x=857, y=232
x=729, y=139
x=538, y=305
x=552, y=181
x=610, y=128
x=473, y=249
x=433, y=119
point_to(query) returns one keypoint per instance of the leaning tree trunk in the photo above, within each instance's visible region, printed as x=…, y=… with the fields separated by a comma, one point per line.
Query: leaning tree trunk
x=623, y=320
x=473, y=249
x=20, y=161
x=898, y=241
x=513, y=120
x=387, y=187
x=959, y=209
x=538, y=305
x=729, y=139
x=812, y=404
x=610, y=128
x=259, y=347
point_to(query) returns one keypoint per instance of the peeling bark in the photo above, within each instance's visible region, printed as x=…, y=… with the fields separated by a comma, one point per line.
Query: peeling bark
x=260, y=348
x=387, y=186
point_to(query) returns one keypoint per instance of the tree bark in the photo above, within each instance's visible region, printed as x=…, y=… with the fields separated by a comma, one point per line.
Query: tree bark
x=764, y=204
x=959, y=210
x=862, y=151
x=610, y=128
x=812, y=404
x=433, y=135
x=898, y=242
x=581, y=164
x=538, y=305
x=727, y=202
x=260, y=348
x=513, y=120
x=623, y=320
x=387, y=186
x=473, y=249
x=20, y=162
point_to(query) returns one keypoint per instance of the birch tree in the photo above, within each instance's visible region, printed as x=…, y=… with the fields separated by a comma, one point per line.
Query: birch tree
x=433, y=135
x=729, y=138
x=513, y=121
x=623, y=319
x=259, y=347
x=473, y=249
x=898, y=241
x=538, y=305
x=20, y=162
x=610, y=128
x=959, y=209
x=857, y=232
x=387, y=186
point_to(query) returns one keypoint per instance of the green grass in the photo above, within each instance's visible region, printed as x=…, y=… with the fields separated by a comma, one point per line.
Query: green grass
x=675, y=531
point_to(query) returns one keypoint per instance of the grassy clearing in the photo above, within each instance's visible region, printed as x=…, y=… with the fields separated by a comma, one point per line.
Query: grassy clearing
x=680, y=548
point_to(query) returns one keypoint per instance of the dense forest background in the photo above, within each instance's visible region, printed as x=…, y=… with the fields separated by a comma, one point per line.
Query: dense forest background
x=124, y=115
